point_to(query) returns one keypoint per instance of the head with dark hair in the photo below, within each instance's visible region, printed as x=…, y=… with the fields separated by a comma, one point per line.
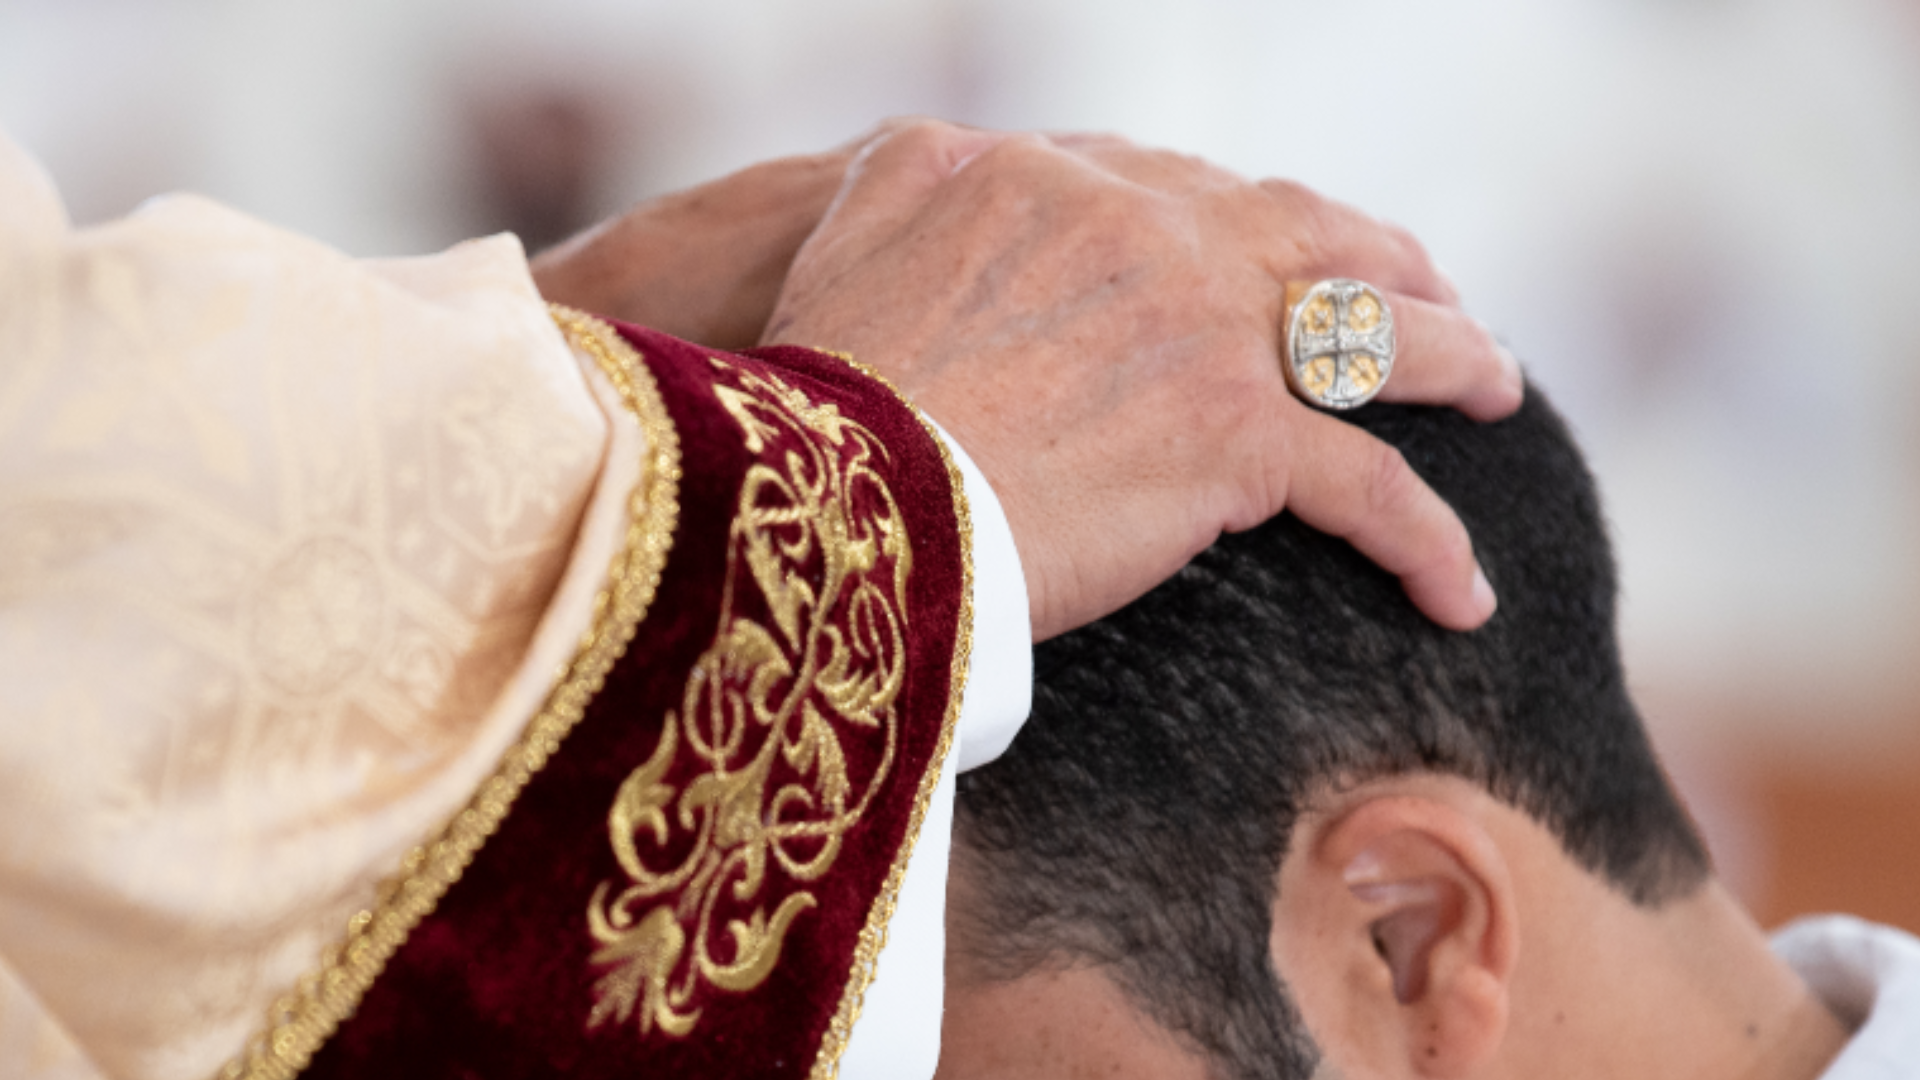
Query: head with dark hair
x=1246, y=712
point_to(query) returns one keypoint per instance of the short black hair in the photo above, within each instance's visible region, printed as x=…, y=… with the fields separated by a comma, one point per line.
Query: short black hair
x=1139, y=821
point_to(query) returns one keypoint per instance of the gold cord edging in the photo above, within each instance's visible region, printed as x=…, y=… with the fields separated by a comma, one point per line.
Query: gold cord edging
x=299, y=1023
x=873, y=937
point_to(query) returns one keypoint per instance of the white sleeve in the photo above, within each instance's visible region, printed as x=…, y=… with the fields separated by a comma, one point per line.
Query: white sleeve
x=999, y=689
x=897, y=1035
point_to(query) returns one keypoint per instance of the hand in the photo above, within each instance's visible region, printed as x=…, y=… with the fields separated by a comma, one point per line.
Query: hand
x=1099, y=326
x=703, y=264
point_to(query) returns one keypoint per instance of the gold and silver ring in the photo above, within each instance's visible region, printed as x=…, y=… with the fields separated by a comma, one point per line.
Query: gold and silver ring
x=1337, y=342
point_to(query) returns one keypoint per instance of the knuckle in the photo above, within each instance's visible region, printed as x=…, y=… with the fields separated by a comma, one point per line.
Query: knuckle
x=941, y=144
x=1480, y=350
x=1306, y=220
x=1291, y=194
x=1407, y=245
x=1446, y=552
x=1483, y=341
x=1393, y=489
x=893, y=125
x=1173, y=163
x=915, y=142
x=873, y=136
x=1021, y=147
x=1014, y=160
x=1090, y=140
x=916, y=131
x=1011, y=176
x=1456, y=333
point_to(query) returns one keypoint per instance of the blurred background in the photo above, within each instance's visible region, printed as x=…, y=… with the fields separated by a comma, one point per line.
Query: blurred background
x=1697, y=220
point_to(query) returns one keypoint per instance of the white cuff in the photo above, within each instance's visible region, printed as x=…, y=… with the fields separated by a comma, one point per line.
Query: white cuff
x=897, y=1035
x=999, y=690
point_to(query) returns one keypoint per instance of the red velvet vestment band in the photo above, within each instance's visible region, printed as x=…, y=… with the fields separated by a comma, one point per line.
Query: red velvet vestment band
x=684, y=887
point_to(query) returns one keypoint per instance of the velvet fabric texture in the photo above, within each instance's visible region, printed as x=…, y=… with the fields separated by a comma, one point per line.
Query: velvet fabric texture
x=781, y=587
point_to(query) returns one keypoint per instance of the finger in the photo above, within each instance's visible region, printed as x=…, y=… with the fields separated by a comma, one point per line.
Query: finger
x=1331, y=239
x=895, y=173
x=1446, y=357
x=1345, y=482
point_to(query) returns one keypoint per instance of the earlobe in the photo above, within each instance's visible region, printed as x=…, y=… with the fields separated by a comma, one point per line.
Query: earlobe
x=1412, y=901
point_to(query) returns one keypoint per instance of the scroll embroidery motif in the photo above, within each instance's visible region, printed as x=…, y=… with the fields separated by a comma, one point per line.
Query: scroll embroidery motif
x=770, y=711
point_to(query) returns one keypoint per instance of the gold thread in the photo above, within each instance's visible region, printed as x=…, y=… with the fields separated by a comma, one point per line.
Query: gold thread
x=300, y=1022
x=829, y=662
x=873, y=937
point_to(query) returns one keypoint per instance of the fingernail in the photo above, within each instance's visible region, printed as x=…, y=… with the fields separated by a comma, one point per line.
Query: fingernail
x=1483, y=599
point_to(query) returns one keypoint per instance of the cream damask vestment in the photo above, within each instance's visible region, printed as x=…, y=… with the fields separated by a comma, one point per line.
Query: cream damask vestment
x=292, y=547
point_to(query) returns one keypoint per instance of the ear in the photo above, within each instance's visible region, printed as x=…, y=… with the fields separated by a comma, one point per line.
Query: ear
x=1395, y=926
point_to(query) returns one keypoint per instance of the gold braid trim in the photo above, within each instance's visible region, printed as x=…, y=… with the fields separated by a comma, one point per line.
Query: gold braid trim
x=299, y=1023
x=873, y=937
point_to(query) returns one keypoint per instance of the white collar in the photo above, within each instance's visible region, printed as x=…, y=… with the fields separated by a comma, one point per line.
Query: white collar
x=1869, y=976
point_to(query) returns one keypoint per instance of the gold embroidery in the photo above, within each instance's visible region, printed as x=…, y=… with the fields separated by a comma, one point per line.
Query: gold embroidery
x=873, y=937
x=301, y=1021
x=823, y=542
